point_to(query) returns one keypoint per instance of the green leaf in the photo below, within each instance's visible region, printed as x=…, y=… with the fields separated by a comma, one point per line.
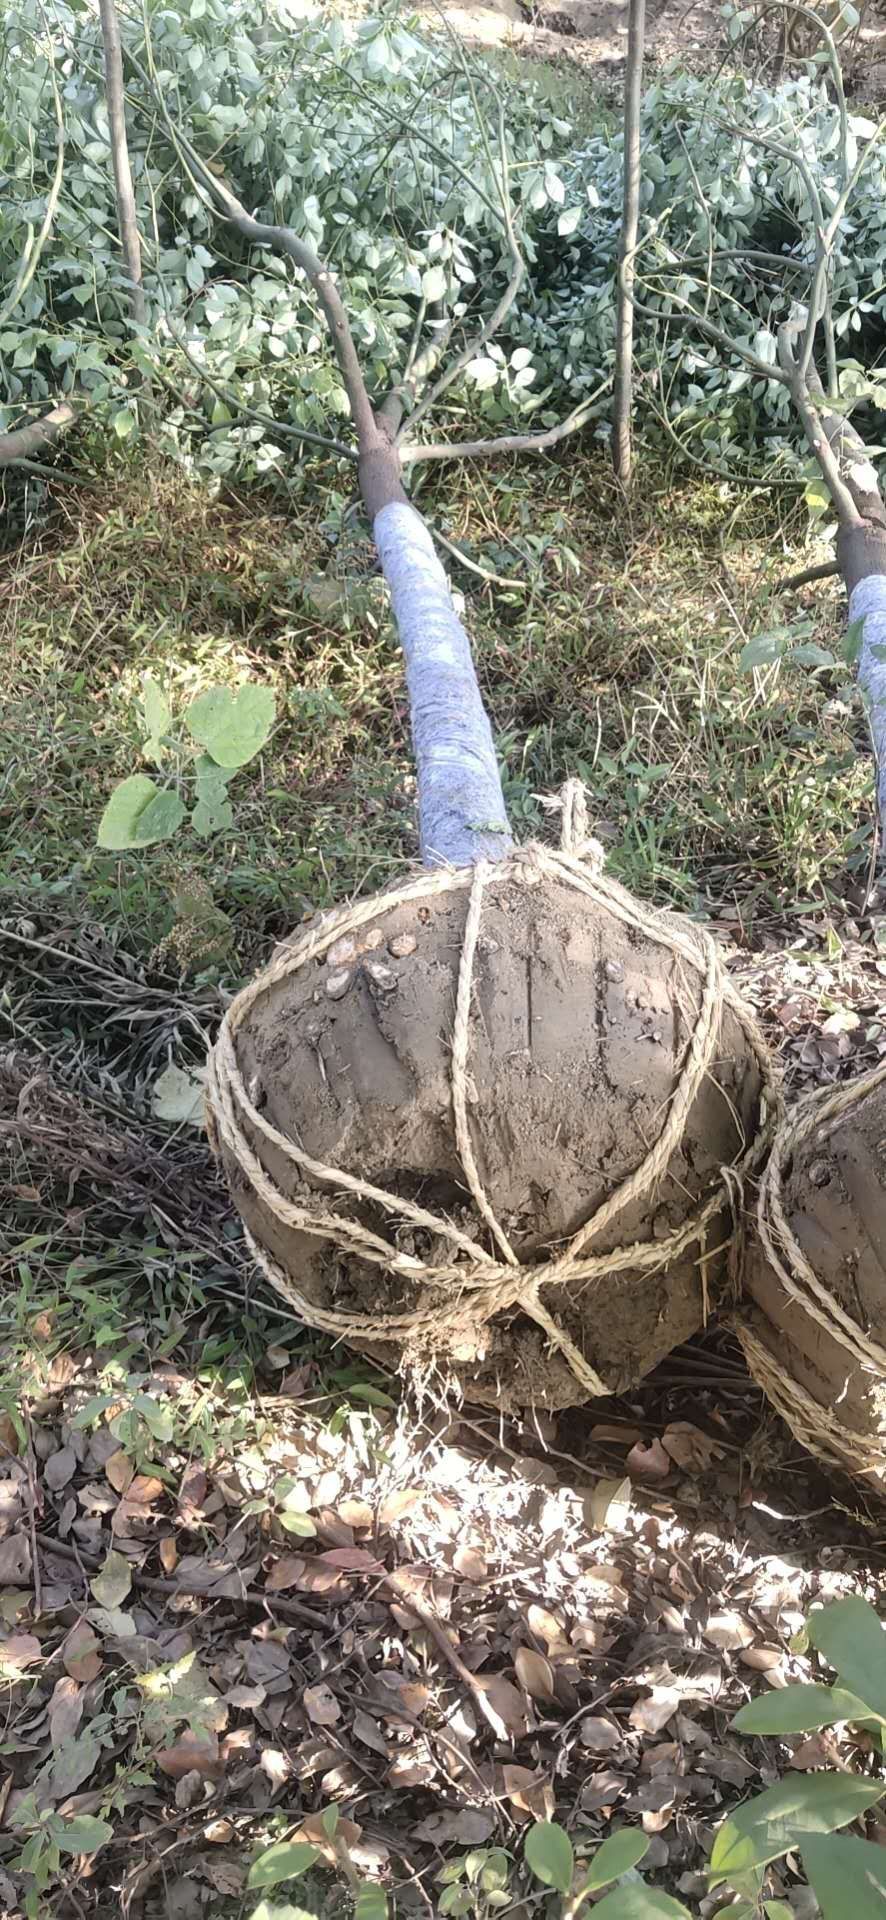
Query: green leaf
x=777, y=1910
x=623, y=1850
x=852, y=639
x=810, y=655
x=761, y=651
x=779, y=1819
x=139, y=813
x=329, y=1819
x=283, y=1861
x=799, y=1710
x=158, y=715
x=848, y=1877
x=113, y=1582
x=850, y=1636
x=233, y=727
x=298, y=1523
x=82, y=1834
x=636, y=1901
x=548, y=1851
x=569, y=220
x=370, y=1902
x=124, y=422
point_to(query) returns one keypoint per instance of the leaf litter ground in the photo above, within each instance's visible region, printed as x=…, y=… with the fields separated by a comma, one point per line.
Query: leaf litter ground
x=220, y=1615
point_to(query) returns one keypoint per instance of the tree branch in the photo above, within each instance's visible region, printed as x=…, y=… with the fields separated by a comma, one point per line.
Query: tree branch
x=126, y=214
x=35, y=436
x=627, y=247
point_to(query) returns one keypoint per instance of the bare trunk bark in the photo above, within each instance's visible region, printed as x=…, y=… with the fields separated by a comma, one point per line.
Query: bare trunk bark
x=126, y=216
x=622, y=450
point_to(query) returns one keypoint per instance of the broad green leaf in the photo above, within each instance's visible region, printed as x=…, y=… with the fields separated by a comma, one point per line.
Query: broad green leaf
x=548, y=1851
x=569, y=219
x=370, y=1902
x=157, y=712
x=283, y=1861
x=124, y=422
x=127, y=803
x=329, y=1819
x=636, y=1901
x=776, y=1910
x=83, y=1834
x=297, y=1523
x=761, y=651
x=113, y=1582
x=852, y=639
x=233, y=727
x=810, y=655
x=848, y=1877
x=850, y=1636
x=617, y=1855
x=160, y=819
x=139, y=813
x=772, y=1822
x=799, y=1710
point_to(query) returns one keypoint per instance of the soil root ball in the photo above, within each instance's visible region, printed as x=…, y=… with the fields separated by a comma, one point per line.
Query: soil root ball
x=496, y=1124
x=815, y=1338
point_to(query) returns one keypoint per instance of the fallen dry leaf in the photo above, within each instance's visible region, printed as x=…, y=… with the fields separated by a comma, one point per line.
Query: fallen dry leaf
x=192, y=1753
x=508, y=1705
x=368, y=1730
x=653, y=1713
x=60, y=1468
x=65, y=1710
x=728, y=1631
x=321, y=1706
x=469, y=1562
x=546, y=1627
x=168, y=1554
x=347, y=1834
x=534, y=1673
x=191, y=1495
x=649, y=1463
x=15, y=1561
x=530, y=1792
x=80, y=1653
x=119, y=1471
x=350, y=1560
x=689, y=1448
x=598, y=1735
x=761, y=1659
x=18, y=1651
x=394, y=1506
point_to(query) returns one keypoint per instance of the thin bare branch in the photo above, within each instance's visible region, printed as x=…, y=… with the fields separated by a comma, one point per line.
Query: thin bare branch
x=126, y=214
x=507, y=442
x=627, y=247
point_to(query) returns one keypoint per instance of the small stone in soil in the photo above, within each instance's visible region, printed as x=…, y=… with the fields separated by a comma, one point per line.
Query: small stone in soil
x=338, y=983
x=341, y=952
x=380, y=975
x=402, y=945
x=372, y=939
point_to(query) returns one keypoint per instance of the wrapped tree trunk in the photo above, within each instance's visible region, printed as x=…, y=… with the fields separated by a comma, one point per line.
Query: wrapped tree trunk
x=493, y=1120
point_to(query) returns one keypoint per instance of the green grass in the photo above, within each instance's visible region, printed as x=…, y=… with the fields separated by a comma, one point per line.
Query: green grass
x=614, y=655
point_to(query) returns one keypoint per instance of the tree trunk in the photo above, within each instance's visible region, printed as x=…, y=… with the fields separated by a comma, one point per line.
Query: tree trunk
x=126, y=217
x=622, y=451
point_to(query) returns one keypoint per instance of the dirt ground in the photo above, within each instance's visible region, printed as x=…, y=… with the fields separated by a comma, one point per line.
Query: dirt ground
x=592, y=34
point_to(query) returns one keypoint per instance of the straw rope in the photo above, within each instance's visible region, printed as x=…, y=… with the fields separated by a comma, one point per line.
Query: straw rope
x=468, y=1288
x=816, y=1425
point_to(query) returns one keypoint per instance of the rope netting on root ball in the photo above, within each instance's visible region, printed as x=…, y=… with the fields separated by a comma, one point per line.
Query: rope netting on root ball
x=816, y=1338
x=496, y=1123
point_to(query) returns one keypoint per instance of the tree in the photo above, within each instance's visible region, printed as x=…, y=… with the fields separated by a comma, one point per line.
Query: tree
x=801, y=332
